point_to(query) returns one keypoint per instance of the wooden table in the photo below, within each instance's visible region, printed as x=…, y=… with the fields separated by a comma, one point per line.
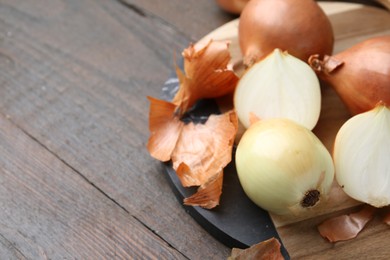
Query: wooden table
x=76, y=181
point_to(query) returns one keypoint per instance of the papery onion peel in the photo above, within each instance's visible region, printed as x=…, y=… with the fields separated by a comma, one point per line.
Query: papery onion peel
x=199, y=152
x=265, y=250
x=164, y=127
x=203, y=150
x=208, y=194
x=206, y=74
x=346, y=227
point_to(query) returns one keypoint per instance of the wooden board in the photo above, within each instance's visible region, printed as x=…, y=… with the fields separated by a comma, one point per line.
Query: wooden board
x=70, y=218
x=352, y=23
x=74, y=76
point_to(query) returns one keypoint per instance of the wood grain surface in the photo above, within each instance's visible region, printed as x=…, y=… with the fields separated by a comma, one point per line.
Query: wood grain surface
x=75, y=177
x=76, y=181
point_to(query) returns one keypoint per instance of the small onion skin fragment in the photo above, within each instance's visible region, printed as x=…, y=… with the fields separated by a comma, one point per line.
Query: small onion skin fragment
x=267, y=249
x=279, y=86
x=362, y=157
x=206, y=74
x=298, y=26
x=360, y=75
x=281, y=164
x=346, y=227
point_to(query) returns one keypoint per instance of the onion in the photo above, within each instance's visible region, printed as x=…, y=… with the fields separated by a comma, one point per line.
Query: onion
x=362, y=156
x=298, y=26
x=232, y=6
x=360, y=75
x=283, y=167
x=279, y=86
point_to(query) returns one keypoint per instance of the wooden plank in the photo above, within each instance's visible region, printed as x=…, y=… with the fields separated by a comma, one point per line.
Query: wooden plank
x=192, y=18
x=49, y=211
x=196, y=18
x=73, y=76
x=303, y=241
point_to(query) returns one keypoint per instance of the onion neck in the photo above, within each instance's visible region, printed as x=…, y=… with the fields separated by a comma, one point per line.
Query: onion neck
x=252, y=55
x=326, y=65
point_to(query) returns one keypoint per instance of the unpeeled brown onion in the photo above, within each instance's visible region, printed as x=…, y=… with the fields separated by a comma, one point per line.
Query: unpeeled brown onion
x=297, y=26
x=360, y=75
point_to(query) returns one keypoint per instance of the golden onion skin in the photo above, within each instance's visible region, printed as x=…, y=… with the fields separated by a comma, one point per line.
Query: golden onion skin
x=298, y=26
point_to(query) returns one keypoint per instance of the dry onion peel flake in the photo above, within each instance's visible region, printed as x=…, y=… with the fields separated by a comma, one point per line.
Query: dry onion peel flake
x=199, y=152
x=362, y=156
x=346, y=227
x=206, y=74
x=208, y=194
x=164, y=127
x=203, y=150
x=265, y=250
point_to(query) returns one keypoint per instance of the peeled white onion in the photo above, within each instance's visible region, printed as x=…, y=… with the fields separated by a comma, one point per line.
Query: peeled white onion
x=283, y=167
x=362, y=157
x=279, y=86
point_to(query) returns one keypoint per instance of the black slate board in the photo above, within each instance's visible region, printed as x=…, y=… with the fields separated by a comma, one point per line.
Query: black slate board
x=237, y=221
